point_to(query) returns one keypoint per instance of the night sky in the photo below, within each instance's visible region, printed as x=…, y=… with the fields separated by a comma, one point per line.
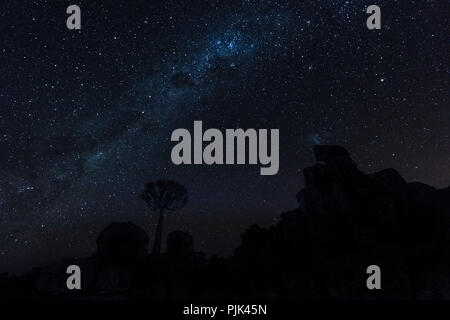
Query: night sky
x=86, y=116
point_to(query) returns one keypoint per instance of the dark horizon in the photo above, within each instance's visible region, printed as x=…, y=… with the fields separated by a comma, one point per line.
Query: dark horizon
x=179, y=221
x=345, y=222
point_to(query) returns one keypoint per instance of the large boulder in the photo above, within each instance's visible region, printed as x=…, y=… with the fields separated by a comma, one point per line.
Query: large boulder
x=122, y=243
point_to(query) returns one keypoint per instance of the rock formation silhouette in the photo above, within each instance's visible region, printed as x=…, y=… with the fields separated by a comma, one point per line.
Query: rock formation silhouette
x=346, y=220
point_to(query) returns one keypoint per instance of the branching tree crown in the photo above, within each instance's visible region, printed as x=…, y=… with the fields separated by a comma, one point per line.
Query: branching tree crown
x=165, y=194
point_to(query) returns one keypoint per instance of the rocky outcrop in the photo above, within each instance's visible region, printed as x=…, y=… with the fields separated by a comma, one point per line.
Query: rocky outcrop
x=346, y=221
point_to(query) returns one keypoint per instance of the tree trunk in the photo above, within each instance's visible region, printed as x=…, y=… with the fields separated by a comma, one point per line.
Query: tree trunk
x=158, y=236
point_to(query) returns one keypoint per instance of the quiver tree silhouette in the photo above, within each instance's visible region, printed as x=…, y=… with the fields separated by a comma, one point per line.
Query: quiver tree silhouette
x=163, y=195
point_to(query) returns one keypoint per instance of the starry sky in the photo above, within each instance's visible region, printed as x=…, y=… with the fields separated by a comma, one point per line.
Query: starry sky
x=86, y=115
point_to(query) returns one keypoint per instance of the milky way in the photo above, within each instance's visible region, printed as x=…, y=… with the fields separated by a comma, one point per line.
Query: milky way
x=86, y=116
